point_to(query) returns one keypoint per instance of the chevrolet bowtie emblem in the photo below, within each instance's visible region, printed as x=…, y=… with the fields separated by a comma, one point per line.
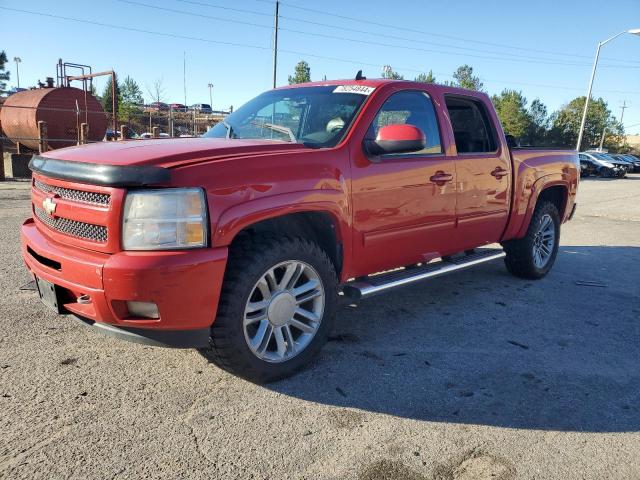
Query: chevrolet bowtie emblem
x=49, y=206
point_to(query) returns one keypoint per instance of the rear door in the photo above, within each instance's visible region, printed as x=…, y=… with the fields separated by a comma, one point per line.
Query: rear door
x=403, y=204
x=483, y=169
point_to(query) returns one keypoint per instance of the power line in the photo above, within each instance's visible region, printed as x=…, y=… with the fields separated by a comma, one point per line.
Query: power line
x=265, y=48
x=424, y=42
x=382, y=35
x=511, y=58
x=450, y=37
x=134, y=29
x=227, y=9
x=193, y=14
x=366, y=32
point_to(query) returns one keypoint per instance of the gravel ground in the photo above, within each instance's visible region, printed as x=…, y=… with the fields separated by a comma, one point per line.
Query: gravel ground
x=474, y=376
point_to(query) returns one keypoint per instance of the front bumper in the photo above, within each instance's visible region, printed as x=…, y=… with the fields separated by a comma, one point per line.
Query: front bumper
x=184, y=284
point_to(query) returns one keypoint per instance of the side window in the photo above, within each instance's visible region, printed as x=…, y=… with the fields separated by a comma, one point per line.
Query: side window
x=471, y=126
x=413, y=108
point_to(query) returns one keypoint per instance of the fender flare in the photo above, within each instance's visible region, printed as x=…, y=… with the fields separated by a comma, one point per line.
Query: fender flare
x=541, y=184
x=332, y=202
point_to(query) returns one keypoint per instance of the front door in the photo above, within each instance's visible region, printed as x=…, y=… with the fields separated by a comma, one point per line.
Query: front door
x=403, y=204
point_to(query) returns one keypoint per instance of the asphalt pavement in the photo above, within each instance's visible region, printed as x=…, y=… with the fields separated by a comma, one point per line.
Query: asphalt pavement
x=477, y=375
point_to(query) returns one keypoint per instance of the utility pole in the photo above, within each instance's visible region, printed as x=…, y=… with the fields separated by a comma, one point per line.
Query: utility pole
x=210, y=95
x=275, y=44
x=623, y=107
x=184, y=76
x=17, y=60
x=604, y=131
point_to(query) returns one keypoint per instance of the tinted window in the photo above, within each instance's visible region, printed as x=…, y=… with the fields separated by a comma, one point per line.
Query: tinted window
x=413, y=108
x=471, y=126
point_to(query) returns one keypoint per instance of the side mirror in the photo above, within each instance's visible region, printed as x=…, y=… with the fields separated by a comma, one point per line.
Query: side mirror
x=401, y=138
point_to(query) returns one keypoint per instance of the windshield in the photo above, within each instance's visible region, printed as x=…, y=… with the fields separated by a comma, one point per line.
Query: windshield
x=604, y=157
x=314, y=116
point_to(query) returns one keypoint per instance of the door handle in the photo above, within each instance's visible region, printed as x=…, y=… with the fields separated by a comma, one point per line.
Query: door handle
x=499, y=172
x=441, y=177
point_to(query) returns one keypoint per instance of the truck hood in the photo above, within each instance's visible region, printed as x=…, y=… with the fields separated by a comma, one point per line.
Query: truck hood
x=170, y=153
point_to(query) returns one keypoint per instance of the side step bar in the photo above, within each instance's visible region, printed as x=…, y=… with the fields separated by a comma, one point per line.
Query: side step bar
x=374, y=284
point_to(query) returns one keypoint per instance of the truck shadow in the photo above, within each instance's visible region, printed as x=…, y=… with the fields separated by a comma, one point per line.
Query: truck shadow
x=482, y=347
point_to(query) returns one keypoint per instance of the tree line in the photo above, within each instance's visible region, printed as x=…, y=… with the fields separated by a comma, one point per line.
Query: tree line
x=531, y=123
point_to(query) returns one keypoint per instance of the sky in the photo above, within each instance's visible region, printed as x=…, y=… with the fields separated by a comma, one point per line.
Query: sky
x=543, y=48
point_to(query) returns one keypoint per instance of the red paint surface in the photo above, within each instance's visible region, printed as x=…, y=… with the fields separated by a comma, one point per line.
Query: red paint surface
x=387, y=214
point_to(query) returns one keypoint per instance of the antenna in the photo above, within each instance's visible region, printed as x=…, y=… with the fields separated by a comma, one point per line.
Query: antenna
x=359, y=76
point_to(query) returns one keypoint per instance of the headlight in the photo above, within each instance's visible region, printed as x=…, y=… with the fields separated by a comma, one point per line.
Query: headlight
x=166, y=219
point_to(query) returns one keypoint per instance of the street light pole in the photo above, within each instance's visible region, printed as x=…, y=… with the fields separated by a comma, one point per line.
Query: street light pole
x=210, y=95
x=17, y=60
x=593, y=74
x=275, y=44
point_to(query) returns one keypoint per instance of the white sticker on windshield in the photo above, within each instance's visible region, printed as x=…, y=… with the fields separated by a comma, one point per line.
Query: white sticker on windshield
x=361, y=89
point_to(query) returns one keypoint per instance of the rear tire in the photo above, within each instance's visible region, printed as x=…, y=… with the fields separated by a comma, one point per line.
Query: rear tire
x=533, y=255
x=259, y=333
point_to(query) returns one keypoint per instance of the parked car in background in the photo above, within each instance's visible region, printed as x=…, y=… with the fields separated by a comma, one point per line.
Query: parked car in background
x=592, y=165
x=178, y=107
x=158, y=106
x=148, y=135
x=588, y=167
x=612, y=167
x=202, y=108
x=608, y=157
x=634, y=163
x=110, y=135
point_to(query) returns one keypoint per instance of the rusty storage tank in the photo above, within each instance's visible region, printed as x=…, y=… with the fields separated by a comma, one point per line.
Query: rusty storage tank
x=63, y=109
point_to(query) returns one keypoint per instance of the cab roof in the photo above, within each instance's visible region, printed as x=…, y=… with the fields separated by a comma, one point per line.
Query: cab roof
x=381, y=82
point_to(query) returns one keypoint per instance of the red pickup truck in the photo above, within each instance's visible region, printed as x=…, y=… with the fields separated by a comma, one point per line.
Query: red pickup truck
x=243, y=242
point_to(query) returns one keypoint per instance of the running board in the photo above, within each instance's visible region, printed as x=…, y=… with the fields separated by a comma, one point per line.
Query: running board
x=374, y=284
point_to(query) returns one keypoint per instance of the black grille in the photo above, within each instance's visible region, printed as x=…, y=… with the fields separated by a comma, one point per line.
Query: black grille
x=88, y=231
x=75, y=195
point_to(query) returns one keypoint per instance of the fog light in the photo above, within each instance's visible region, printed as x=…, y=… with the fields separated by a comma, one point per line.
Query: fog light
x=143, y=309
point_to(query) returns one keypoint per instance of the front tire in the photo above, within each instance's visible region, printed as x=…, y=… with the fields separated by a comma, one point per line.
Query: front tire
x=276, y=307
x=533, y=255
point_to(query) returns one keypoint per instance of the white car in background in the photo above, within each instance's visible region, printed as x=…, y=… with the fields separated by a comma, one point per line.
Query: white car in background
x=147, y=135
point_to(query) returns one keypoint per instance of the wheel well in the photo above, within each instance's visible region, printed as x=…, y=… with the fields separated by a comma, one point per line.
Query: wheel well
x=318, y=227
x=557, y=195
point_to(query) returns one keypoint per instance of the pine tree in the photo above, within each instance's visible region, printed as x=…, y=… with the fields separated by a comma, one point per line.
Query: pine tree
x=390, y=73
x=464, y=78
x=107, y=97
x=302, y=73
x=4, y=75
x=426, y=77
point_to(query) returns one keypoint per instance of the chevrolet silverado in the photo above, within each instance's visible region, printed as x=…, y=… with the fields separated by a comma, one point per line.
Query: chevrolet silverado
x=243, y=242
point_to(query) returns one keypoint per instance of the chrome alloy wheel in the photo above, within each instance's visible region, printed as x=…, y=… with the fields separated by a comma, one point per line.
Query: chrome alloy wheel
x=544, y=241
x=284, y=311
